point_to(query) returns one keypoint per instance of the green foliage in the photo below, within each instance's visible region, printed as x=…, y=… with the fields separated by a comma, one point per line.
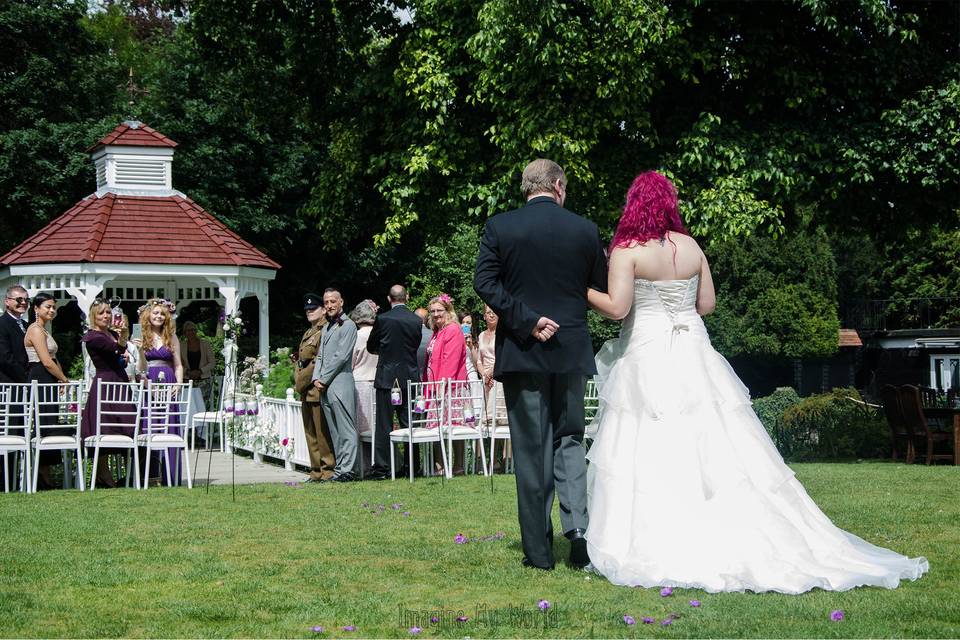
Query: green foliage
x=832, y=426
x=926, y=264
x=770, y=409
x=448, y=267
x=775, y=297
x=280, y=376
x=601, y=329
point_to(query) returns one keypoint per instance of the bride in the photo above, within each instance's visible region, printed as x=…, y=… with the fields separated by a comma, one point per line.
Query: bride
x=686, y=488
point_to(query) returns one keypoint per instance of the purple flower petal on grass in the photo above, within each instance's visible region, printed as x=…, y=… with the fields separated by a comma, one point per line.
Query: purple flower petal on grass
x=415, y=630
x=396, y=506
x=462, y=618
x=405, y=514
x=694, y=603
x=317, y=629
x=837, y=615
x=666, y=592
x=648, y=620
x=434, y=619
x=666, y=622
x=629, y=621
x=349, y=627
x=460, y=538
x=543, y=605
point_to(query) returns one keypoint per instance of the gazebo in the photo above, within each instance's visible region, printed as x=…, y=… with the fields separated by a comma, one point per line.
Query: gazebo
x=137, y=238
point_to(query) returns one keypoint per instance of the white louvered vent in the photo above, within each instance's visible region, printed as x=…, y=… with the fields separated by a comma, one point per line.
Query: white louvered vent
x=101, y=173
x=131, y=172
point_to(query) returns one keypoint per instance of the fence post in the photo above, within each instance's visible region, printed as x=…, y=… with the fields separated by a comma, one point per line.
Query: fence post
x=288, y=418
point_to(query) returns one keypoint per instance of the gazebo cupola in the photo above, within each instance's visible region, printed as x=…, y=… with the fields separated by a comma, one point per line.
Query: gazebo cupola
x=137, y=238
x=134, y=159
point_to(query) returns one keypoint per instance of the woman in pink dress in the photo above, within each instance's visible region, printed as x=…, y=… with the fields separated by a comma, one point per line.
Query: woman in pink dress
x=446, y=354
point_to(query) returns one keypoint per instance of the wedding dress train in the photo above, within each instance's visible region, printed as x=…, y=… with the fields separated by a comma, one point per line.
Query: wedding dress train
x=687, y=489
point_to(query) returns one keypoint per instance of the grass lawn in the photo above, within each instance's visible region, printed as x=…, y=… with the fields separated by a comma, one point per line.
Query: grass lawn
x=281, y=560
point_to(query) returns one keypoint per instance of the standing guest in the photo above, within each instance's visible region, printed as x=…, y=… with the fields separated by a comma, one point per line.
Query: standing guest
x=108, y=355
x=13, y=356
x=333, y=377
x=159, y=358
x=41, y=351
x=426, y=334
x=396, y=337
x=315, y=429
x=533, y=280
x=364, y=365
x=198, y=355
x=446, y=354
x=486, y=356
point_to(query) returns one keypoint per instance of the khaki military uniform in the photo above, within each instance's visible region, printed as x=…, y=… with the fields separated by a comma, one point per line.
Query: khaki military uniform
x=319, y=442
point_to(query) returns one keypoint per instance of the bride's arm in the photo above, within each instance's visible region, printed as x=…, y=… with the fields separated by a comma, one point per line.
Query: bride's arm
x=616, y=303
x=706, y=295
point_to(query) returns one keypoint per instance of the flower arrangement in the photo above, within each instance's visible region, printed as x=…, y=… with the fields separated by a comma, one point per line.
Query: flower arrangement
x=232, y=326
x=252, y=372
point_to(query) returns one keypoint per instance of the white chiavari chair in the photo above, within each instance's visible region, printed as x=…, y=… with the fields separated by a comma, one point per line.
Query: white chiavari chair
x=16, y=420
x=119, y=406
x=426, y=410
x=56, y=422
x=462, y=423
x=366, y=422
x=496, y=425
x=591, y=407
x=163, y=427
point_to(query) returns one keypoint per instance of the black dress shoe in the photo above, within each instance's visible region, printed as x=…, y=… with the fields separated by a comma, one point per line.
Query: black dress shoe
x=377, y=476
x=578, y=552
x=346, y=477
x=313, y=480
x=527, y=562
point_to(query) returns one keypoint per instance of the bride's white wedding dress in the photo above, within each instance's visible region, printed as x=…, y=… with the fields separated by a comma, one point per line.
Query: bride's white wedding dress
x=687, y=489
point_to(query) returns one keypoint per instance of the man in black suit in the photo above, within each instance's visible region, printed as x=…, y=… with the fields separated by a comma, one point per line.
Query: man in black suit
x=13, y=355
x=534, y=268
x=394, y=338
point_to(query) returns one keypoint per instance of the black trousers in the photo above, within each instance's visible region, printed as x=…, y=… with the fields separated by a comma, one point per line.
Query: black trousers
x=546, y=428
x=381, y=439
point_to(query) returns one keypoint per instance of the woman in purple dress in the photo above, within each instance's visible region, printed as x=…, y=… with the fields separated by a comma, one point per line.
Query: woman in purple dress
x=160, y=356
x=108, y=355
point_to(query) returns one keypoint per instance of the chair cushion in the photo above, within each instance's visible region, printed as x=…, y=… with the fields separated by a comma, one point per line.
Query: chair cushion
x=207, y=416
x=419, y=433
x=109, y=438
x=162, y=438
x=12, y=441
x=56, y=440
x=461, y=431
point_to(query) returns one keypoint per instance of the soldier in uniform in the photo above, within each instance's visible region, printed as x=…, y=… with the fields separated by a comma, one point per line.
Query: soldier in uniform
x=319, y=442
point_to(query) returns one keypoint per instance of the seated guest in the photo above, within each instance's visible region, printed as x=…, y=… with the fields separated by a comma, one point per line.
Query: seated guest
x=446, y=354
x=108, y=355
x=364, y=364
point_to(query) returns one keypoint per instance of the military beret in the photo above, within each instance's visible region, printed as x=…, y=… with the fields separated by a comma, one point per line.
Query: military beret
x=312, y=301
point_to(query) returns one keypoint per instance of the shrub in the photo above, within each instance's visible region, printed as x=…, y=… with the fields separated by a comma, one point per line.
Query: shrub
x=280, y=376
x=833, y=425
x=770, y=410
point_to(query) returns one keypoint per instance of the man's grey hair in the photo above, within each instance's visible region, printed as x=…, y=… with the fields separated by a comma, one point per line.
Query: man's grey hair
x=398, y=294
x=15, y=287
x=364, y=313
x=539, y=177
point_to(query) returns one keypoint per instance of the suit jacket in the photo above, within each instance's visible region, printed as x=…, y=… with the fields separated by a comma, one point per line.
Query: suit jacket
x=13, y=355
x=334, y=363
x=538, y=261
x=395, y=338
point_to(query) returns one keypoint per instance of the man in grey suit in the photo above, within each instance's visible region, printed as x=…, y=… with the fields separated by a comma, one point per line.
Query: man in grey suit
x=333, y=376
x=534, y=268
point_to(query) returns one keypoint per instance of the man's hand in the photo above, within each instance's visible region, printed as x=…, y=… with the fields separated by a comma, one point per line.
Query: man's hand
x=545, y=329
x=319, y=385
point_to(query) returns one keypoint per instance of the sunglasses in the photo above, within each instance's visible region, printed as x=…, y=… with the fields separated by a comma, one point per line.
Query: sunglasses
x=19, y=300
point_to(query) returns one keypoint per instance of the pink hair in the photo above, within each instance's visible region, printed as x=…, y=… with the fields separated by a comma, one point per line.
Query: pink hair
x=651, y=211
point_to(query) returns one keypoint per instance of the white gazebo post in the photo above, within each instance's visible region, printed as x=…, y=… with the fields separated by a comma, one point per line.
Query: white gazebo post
x=263, y=300
x=230, y=348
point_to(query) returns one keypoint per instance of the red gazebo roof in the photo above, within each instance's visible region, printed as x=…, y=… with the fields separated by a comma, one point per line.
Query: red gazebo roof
x=135, y=136
x=137, y=229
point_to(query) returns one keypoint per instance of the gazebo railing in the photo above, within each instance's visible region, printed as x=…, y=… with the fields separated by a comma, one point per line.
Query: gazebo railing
x=263, y=433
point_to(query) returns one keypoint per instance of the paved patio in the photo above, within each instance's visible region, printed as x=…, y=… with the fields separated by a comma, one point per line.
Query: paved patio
x=245, y=469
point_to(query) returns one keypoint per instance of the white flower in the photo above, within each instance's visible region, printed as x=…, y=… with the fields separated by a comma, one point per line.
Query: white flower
x=237, y=321
x=226, y=327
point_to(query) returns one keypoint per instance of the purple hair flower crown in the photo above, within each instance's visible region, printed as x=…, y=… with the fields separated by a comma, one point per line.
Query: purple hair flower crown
x=158, y=302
